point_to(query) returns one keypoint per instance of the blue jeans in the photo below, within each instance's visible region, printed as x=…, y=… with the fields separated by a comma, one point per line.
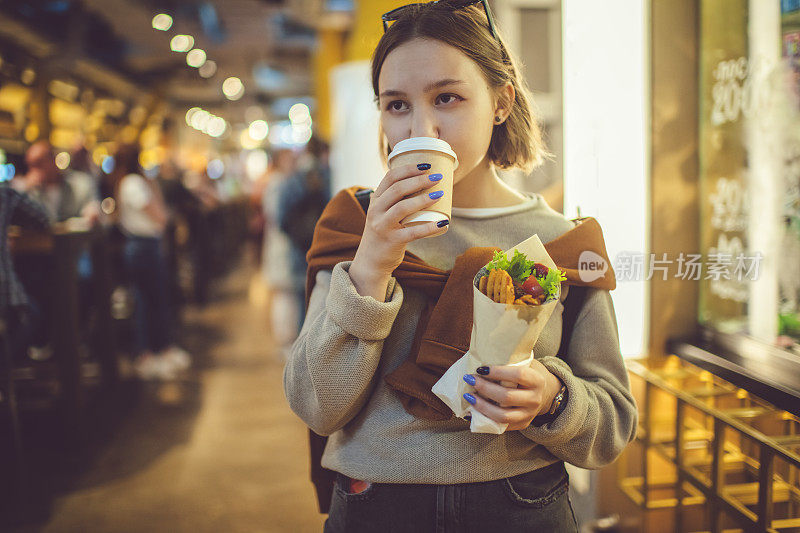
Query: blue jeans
x=536, y=501
x=146, y=267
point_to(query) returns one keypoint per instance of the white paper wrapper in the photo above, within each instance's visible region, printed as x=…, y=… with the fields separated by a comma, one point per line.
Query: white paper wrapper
x=502, y=334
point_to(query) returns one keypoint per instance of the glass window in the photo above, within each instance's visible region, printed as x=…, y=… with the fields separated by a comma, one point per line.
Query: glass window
x=750, y=168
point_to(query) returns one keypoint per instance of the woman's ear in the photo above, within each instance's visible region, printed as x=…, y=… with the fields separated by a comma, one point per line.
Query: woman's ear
x=505, y=101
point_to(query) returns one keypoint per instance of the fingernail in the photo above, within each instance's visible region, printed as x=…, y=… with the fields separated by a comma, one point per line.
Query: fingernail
x=434, y=177
x=483, y=370
x=435, y=195
x=470, y=398
x=469, y=378
x=424, y=166
x=442, y=223
x=468, y=418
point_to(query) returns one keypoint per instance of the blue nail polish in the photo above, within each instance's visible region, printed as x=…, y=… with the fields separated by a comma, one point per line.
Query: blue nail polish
x=469, y=378
x=470, y=398
x=442, y=223
x=424, y=166
x=435, y=177
x=483, y=370
x=435, y=195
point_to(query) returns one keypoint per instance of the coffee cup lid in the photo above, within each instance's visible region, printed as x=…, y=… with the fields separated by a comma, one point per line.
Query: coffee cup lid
x=424, y=143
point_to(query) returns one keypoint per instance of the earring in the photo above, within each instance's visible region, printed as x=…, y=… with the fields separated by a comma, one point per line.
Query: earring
x=498, y=119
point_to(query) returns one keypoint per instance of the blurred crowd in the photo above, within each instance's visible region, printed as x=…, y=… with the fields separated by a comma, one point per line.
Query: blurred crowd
x=159, y=224
x=288, y=200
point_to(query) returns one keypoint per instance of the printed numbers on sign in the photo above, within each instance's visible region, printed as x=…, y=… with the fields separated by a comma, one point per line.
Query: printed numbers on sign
x=731, y=94
x=718, y=269
x=729, y=205
x=727, y=102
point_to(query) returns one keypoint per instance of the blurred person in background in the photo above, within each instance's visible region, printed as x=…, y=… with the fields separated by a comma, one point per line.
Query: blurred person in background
x=68, y=197
x=142, y=217
x=80, y=160
x=65, y=194
x=202, y=186
x=277, y=262
x=302, y=198
x=180, y=197
x=19, y=209
x=15, y=326
x=256, y=222
x=80, y=163
x=192, y=207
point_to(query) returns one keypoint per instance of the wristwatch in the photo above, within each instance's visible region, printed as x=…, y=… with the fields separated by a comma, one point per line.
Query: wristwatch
x=558, y=405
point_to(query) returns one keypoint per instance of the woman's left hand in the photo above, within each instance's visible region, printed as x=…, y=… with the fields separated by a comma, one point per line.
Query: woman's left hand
x=531, y=392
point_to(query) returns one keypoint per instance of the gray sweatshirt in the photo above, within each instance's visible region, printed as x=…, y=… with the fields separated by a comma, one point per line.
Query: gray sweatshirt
x=333, y=379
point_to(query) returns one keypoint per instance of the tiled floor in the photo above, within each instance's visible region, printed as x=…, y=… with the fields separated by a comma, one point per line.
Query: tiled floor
x=217, y=452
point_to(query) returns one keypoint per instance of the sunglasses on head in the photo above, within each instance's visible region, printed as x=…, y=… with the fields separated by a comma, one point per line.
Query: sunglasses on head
x=395, y=14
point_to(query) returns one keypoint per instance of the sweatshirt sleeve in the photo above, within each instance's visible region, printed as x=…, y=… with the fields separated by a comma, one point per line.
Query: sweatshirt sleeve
x=600, y=417
x=331, y=366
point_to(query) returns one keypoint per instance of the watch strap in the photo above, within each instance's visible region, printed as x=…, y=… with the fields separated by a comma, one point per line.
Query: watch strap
x=558, y=405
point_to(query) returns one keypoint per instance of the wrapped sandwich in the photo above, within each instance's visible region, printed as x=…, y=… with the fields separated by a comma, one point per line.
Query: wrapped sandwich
x=513, y=298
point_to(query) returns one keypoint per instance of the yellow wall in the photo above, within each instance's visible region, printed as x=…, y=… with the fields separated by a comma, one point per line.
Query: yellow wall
x=329, y=53
x=675, y=225
x=368, y=28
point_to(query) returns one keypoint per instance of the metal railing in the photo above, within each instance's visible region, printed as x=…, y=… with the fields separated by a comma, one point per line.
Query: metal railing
x=735, y=457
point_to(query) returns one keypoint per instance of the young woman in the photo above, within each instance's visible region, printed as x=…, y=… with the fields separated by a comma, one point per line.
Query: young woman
x=142, y=216
x=441, y=71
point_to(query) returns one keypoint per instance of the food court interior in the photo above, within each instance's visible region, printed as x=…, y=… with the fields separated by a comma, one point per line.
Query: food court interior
x=163, y=165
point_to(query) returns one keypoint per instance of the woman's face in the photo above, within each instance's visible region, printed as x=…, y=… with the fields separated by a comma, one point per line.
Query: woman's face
x=416, y=101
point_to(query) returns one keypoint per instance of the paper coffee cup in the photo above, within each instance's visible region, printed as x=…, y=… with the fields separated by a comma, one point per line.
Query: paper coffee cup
x=443, y=160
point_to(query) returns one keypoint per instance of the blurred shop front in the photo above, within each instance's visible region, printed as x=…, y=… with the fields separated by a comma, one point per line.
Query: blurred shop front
x=718, y=448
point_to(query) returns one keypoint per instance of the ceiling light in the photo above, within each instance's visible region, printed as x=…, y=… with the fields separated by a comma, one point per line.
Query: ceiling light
x=258, y=130
x=208, y=69
x=190, y=113
x=62, y=160
x=215, y=126
x=299, y=113
x=162, y=22
x=200, y=119
x=181, y=43
x=195, y=58
x=233, y=88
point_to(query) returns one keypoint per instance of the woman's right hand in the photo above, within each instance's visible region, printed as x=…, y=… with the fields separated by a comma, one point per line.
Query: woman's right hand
x=384, y=240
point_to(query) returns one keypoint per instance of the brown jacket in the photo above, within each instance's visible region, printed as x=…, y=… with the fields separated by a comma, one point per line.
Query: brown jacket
x=445, y=326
